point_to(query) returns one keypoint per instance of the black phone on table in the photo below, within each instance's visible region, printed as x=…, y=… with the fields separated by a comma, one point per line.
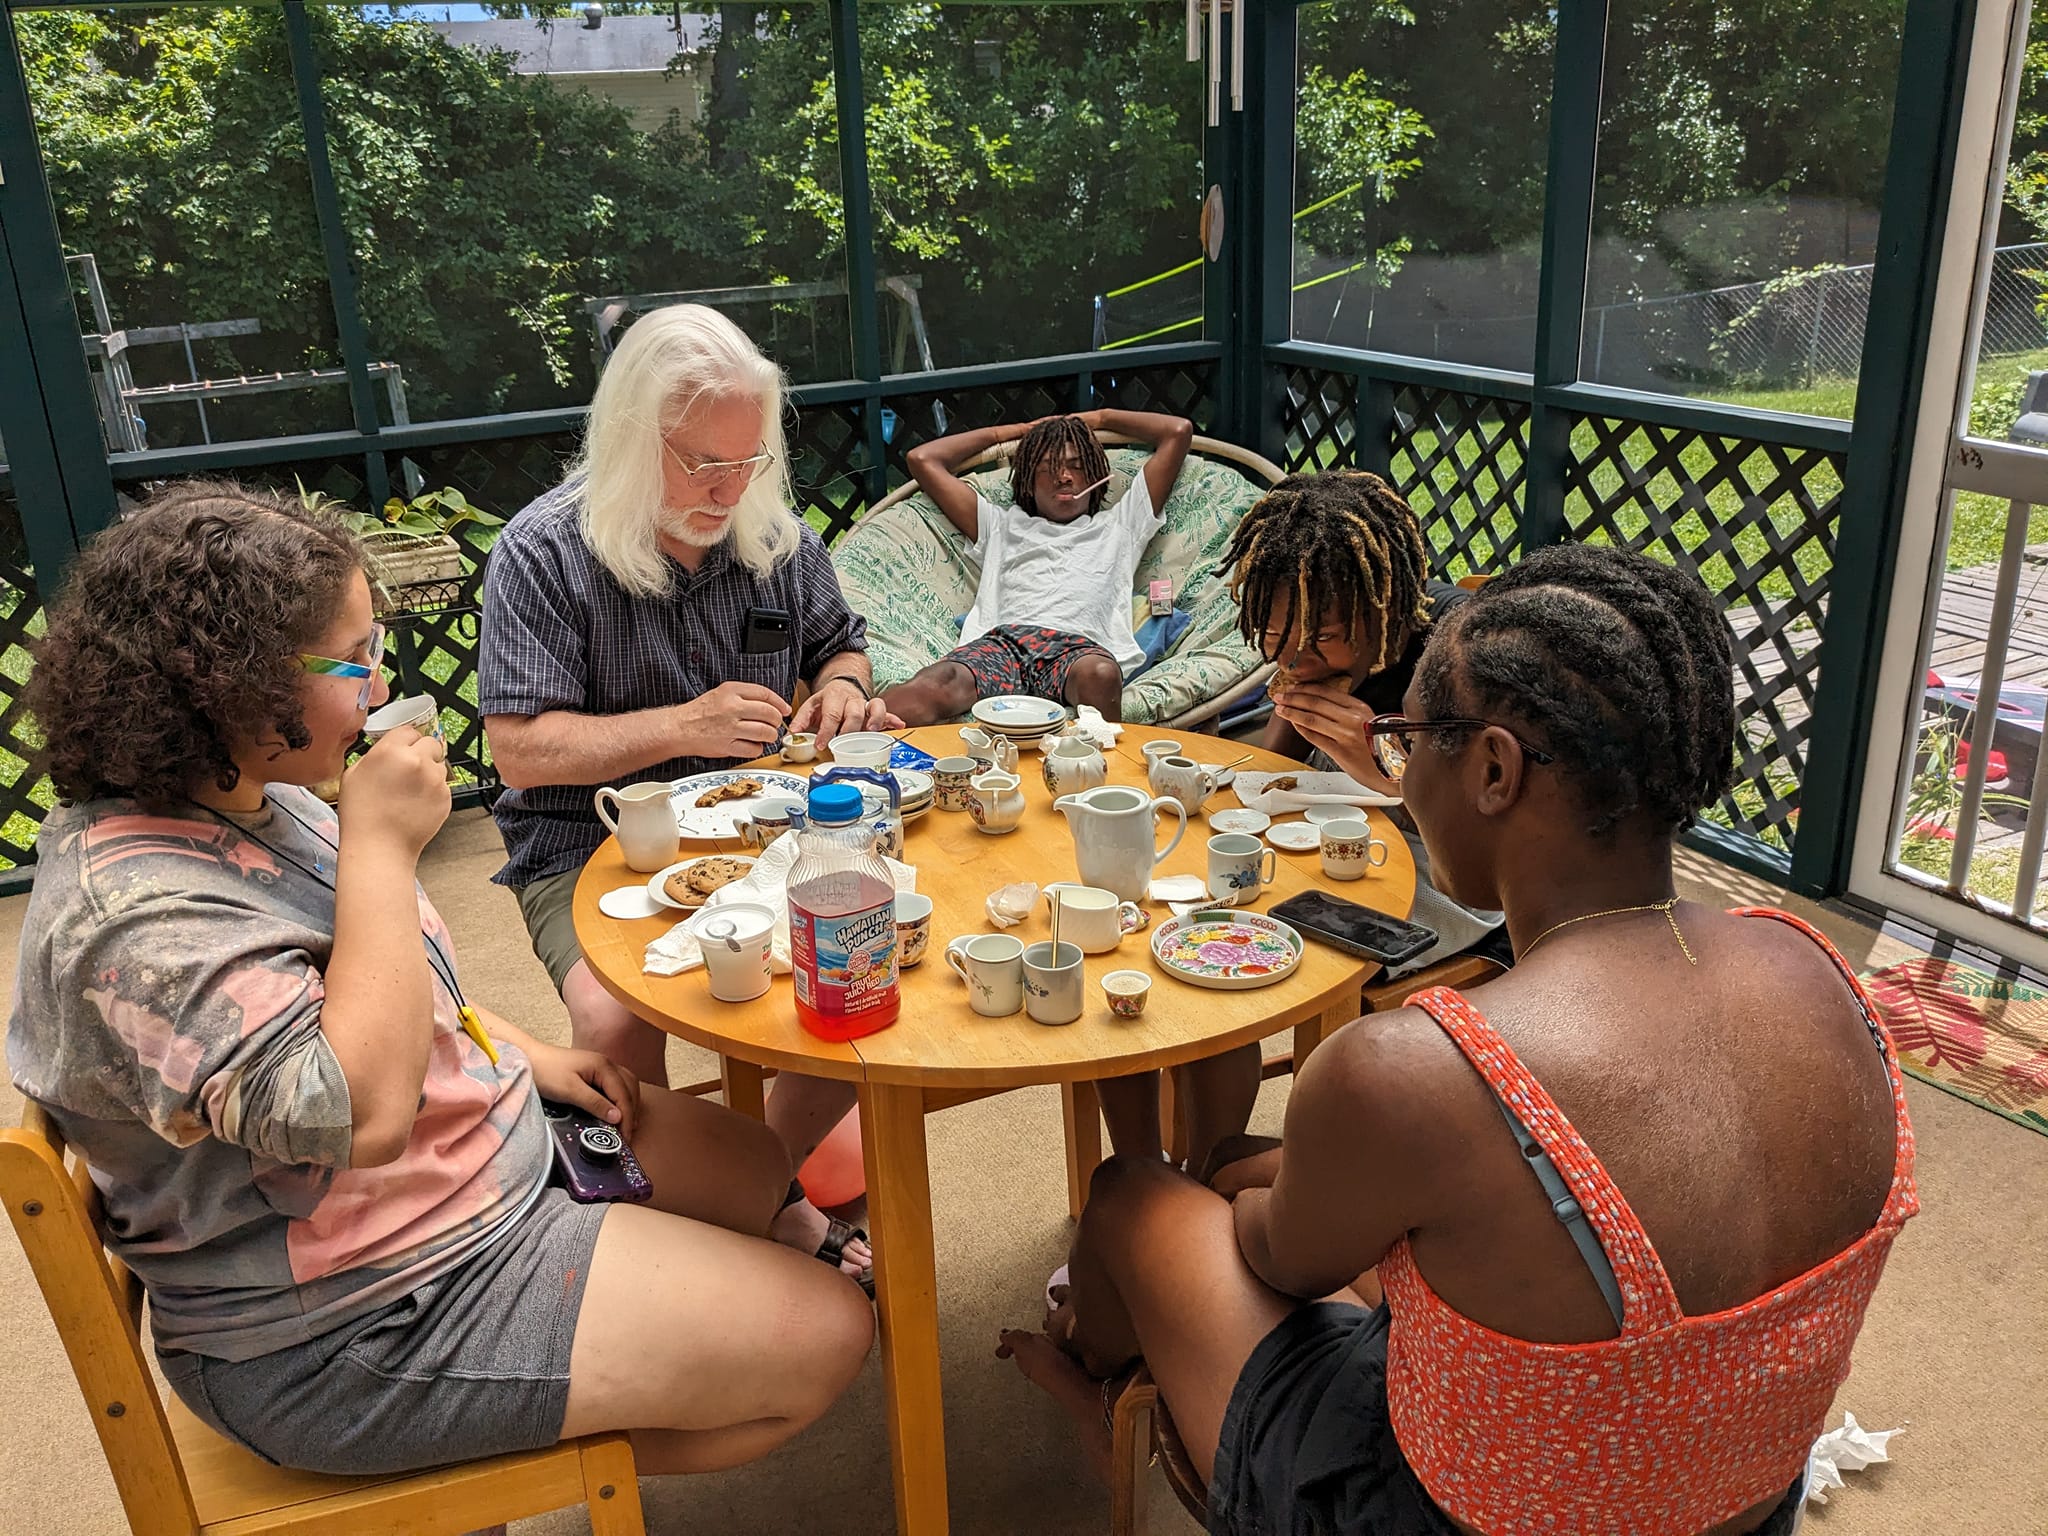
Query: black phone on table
x=593, y=1159
x=1355, y=929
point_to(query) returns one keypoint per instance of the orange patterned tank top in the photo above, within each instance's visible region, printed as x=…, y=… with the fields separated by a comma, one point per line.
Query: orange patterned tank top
x=1666, y=1430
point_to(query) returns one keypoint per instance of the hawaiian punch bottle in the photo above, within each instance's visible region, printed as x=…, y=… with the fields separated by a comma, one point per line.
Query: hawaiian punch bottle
x=842, y=922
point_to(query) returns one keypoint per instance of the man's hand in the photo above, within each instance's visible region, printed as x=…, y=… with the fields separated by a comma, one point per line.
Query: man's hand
x=588, y=1081
x=398, y=790
x=1327, y=716
x=732, y=720
x=837, y=706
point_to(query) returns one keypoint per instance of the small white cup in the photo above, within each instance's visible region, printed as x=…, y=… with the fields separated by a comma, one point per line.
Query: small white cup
x=1155, y=750
x=1240, y=866
x=1350, y=850
x=799, y=747
x=862, y=749
x=913, y=928
x=1092, y=917
x=735, y=941
x=1055, y=987
x=420, y=712
x=992, y=965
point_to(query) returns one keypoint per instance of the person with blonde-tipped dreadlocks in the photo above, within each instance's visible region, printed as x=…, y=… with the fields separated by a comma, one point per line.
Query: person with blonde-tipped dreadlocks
x=1052, y=616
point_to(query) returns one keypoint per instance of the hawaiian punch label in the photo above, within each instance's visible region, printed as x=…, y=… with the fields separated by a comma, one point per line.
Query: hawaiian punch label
x=850, y=959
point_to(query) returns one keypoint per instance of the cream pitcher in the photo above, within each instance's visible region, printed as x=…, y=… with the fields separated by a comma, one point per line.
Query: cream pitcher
x=1113, y=833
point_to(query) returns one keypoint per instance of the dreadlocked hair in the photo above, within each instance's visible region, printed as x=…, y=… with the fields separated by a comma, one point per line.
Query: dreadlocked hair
x=1047, y=443
x=1341, y=542
x=1614, y=662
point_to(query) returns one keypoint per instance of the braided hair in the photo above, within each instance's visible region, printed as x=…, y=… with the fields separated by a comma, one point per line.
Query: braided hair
x=1612, y=661
x=1341, y=542
x=1047, y=444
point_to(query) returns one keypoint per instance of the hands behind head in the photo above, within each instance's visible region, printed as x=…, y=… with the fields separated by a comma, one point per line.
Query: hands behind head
x=397, y=790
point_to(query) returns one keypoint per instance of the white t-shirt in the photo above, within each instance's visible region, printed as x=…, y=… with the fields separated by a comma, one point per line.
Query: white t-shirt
x=1073, y=576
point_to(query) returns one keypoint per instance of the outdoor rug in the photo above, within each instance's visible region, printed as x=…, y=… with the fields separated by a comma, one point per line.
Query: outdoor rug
x=1980, y=1036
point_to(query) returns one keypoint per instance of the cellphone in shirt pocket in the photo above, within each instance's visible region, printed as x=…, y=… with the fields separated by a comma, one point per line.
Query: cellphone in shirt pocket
x=767, y=631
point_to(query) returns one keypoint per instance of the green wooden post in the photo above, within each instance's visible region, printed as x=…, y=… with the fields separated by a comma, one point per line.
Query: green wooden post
x=863, y=315
x=334, y=243
x=47, y=411
x=1933, y=65
x=1268, y=131
x=1577, y=71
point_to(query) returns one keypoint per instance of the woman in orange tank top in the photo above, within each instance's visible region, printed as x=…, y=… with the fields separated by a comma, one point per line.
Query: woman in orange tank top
x=1628, y=1203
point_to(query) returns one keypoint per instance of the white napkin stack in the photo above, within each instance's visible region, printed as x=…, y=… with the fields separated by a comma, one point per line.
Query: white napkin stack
x=767, y=885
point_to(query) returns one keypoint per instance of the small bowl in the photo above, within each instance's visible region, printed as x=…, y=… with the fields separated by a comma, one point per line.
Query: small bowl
x=1248, y=822
x=1126, y=992
x=799, y=747
x=862, y=749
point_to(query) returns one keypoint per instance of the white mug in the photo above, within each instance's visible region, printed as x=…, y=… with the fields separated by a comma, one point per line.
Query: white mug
x=1092, y=917
x=992, y=965
x=735, y=941
x=419, y=712
x=1240, y=866
x=1155, y=750
x=1055, y=987
x=646, y=824
x=1350, y=849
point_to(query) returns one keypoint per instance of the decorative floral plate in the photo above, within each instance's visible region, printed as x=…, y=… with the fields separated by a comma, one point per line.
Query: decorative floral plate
x=1229, y=951
x=710, y=822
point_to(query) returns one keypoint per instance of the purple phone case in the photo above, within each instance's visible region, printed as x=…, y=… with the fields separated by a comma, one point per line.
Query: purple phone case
x=591, y=1182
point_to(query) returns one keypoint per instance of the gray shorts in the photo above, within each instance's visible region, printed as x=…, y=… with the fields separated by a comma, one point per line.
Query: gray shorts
x=473, y=1363
x=548, y=905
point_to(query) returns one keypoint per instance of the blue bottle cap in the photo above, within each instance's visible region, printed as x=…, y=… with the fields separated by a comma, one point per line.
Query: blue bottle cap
x=834, y=805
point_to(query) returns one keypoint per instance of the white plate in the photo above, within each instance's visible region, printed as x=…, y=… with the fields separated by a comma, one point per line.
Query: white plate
x=913, y=785
x=1012, y=713
x=628, y=902
x=1318, y=814
x=1236, y=940
x=661, y=897
x=711, y=822
x=1249, y=822
x=1295, y=836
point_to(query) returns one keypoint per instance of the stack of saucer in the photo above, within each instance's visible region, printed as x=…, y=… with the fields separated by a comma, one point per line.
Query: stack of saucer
x=1019, y=717
x=916, y=789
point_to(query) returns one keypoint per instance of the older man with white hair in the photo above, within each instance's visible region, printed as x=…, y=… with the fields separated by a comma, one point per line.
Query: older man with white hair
x=615, y=611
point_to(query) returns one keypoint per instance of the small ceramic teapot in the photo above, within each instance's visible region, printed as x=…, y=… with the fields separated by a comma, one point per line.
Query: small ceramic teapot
x=995, y=800
x=1072, y=764
x=999, y=751
x=1183, y=779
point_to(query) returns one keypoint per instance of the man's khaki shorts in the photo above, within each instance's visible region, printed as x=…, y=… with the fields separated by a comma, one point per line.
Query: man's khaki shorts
x=548, y=907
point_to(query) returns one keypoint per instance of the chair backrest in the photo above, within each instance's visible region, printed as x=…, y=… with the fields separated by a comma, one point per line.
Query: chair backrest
x=97, y=1307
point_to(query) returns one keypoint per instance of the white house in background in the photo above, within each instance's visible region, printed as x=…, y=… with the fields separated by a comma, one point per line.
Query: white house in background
x=624, y=59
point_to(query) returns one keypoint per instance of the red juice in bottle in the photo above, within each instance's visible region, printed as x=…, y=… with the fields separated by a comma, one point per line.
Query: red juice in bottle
x=842, y=923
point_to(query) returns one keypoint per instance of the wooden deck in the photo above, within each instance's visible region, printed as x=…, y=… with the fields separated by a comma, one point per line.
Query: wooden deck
x=1963, y=623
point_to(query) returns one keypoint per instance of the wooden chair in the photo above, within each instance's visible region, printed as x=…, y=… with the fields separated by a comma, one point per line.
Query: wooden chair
x=1141, y=1433
x=176, y=1477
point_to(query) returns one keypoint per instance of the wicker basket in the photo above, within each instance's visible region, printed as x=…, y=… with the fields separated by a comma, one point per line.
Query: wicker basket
x=407, y=560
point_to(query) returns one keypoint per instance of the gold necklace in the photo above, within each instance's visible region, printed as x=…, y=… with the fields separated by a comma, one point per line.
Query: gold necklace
x=1663, y=906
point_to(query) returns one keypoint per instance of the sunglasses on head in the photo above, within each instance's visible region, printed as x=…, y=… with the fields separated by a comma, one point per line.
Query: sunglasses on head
x=328, y=666
x=1392, y=738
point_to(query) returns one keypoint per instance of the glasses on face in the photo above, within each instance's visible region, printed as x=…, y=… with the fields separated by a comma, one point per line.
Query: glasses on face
x=708, y=474
x=328, y=666
x=1392, y=738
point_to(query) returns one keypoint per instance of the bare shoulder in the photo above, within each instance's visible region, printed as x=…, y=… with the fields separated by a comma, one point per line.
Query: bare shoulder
x=1394, y=1075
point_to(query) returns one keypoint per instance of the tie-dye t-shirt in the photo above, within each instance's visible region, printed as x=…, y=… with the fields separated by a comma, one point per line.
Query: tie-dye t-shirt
x=167, y=1014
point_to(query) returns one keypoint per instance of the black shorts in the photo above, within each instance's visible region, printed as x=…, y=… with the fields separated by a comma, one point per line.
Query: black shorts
x=1022, y=658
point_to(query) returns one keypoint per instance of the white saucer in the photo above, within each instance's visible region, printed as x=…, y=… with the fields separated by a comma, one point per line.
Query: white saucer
x=1295, y=836
x=627, y=903
x=1322, y=813
x=1234, y=820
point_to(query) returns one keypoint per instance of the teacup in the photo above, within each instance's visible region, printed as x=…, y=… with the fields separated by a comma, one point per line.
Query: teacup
x=799, y=747
x=1183, y=779
x=735, y=940
x=769, y=820
x=1155, y=750
x=1127, y=992
x=950, y=776
x=419, y=712
x=1240, y=866
x=1093, y=918
x=1054, y=988
x=862, y=749
x=1350, y=850
x=913, y=928
x=992, y=965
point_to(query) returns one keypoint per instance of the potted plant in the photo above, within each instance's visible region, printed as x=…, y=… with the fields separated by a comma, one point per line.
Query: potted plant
x=411, y=543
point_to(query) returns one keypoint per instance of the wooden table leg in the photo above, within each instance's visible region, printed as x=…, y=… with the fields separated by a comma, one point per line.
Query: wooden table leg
x=906, y=1300
x=743, y=1090
x=1081, y=1109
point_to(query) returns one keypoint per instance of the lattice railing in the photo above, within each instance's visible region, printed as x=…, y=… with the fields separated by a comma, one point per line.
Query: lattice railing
x=24, y=794
x=1757, y=522
x=1318, y=420
x=1462, y=462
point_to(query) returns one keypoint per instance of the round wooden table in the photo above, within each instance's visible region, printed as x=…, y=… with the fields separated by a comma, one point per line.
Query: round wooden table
x=941, y=1053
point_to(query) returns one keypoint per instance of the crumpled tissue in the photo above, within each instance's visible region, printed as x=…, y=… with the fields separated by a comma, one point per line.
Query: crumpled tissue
x=1088, y=722
x=766, y=884
x=1848, y=1449
x=1009, y=905
x=1308, y=789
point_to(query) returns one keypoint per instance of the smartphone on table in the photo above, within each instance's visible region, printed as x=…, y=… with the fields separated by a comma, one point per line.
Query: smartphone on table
x=593, y=1159
x=1355, y=929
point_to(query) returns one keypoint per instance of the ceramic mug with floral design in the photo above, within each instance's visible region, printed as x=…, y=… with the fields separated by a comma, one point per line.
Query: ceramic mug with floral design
x=1126, y=992
x=913, y=928
x=1350, y=851
x=950, y=776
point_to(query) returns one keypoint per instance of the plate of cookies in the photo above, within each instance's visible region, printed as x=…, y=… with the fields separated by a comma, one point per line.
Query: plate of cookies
x=687, y=884
x=709, y=805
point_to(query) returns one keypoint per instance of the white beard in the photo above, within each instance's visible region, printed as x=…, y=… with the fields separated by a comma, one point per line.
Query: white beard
x=676, y=525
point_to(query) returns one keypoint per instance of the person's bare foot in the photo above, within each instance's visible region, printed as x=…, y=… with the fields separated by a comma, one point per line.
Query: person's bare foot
x=1046, y=1365
x=802, y=1226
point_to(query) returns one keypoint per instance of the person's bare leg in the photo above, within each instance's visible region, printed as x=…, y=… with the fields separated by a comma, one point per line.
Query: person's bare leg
x=802, y=1111
x=1217, y=1095
x=1130, y=1108
x=941, y=691
x=1096, y=679
x=711, y=1347
x=710, y=1163
x=600, y=1022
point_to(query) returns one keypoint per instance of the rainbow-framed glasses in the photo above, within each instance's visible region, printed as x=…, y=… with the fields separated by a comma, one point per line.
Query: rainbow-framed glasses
x=328, y=666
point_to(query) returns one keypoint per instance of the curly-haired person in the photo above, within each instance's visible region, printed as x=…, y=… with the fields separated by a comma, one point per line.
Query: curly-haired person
x=1628, y=1203
x=331, y=1174
x=1052, y=615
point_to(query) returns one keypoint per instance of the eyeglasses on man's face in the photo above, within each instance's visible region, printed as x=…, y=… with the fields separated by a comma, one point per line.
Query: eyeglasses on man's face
x=1392, y=738
x=708, y=474
x=329, y=666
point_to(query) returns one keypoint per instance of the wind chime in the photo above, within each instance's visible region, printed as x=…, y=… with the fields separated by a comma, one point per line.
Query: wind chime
x=1216, y=8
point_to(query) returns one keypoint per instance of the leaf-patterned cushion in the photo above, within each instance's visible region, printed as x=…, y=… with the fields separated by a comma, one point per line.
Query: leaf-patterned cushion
x=909, y=572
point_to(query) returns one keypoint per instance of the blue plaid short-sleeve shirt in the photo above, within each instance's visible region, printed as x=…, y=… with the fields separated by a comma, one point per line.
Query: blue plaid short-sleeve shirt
x=559, y=632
